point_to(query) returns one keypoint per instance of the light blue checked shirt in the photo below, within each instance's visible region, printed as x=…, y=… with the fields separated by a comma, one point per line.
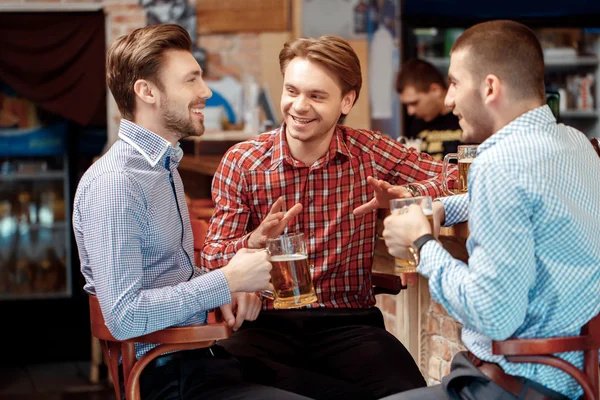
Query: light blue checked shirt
x=135, y=240
x=534, y=268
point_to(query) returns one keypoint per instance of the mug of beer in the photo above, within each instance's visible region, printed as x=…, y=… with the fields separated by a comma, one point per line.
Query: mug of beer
x=406, y=262
x=465, y=156
x=290, y=274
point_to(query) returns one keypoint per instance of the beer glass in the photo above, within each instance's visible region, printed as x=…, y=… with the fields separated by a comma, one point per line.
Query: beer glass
x=290, y=274
x=465, y=156
x=406, y=263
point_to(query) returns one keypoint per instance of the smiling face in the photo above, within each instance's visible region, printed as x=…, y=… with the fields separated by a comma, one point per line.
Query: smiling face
x=312, y=101
x=183, y=94
x=466, y=100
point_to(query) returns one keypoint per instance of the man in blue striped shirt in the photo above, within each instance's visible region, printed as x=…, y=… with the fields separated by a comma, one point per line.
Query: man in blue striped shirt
x=133, y=230
x=534, y=215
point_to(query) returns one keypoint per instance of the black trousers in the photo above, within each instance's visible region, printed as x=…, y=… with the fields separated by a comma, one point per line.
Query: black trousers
x=199, y=374
x=324, y=354
x=466, y=382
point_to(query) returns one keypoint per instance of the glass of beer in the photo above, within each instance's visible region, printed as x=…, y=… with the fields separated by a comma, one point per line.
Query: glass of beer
x=465, y=156
x=406, y=262
x=290, y=274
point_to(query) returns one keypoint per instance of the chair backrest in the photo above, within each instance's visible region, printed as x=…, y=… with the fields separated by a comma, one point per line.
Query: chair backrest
x=199, y=230
x=596, y=145
x=540, y=351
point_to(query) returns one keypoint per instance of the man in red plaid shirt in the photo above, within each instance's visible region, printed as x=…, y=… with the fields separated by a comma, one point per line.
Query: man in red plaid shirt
x=314, y=176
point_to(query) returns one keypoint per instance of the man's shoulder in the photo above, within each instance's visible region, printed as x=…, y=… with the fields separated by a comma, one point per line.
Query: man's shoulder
x=246, y=154
x=363, y=140
x=112, y=164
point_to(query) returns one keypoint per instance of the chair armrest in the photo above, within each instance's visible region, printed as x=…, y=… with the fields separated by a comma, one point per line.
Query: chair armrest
x=187, y=334
x=386, y=283
x=530, y=347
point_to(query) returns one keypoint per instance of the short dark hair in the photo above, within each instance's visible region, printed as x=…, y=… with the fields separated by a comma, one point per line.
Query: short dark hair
x=509, y=50
x=140, y=55
x=332, y=52
x=419, y=74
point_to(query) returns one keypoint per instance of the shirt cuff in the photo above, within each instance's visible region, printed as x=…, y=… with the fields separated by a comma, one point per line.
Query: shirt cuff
x=213, y=290
x=456, y=209
x=432, y=256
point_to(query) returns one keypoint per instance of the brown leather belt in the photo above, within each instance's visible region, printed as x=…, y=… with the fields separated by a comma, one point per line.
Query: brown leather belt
x=507, y=382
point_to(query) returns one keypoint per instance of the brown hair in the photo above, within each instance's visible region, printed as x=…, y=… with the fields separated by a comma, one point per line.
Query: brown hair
x=332, y=52
x=419, y=74
x=140, y=55
x=509, y=50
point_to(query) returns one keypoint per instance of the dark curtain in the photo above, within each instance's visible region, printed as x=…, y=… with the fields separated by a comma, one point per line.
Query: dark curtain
x=56, y=60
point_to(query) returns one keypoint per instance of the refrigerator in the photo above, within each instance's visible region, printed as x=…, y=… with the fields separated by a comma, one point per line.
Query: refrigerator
x=41, y=292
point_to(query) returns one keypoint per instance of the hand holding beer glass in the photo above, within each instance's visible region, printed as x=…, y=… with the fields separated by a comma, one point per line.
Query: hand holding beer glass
x=290, y=274
x=405, y=261
x=465, y=156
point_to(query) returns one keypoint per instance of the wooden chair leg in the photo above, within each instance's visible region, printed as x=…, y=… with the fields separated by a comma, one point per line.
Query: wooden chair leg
x=96, y=361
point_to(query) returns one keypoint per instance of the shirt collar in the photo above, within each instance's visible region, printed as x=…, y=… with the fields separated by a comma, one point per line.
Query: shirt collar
x=148, y=143
x=281, y=150
x=538, y=116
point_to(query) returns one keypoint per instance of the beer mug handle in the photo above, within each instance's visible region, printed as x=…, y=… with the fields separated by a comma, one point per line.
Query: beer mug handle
x=445, y=179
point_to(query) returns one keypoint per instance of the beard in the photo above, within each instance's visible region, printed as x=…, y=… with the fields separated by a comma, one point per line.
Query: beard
x=481, y=124
x=181, y=126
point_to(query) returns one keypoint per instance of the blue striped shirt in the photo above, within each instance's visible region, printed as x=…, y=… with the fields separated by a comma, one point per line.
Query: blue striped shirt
x=534, y=268
x=135, y=240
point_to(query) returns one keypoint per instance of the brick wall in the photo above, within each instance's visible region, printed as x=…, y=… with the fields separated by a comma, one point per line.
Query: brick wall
x=442, y=334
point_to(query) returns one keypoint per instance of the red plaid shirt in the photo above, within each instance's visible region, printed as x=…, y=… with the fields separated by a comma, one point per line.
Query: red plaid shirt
x=254, y=173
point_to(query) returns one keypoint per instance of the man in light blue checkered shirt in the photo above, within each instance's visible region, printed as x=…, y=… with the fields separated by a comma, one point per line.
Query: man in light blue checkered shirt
x=133, y=230
x=534, y=217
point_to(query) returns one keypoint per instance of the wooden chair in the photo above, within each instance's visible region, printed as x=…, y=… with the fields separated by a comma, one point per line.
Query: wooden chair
x=540, y=351
x=168, y=340
x=199, y=230
x=596, y=145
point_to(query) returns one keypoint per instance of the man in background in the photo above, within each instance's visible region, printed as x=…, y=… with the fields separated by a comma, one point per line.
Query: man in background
x=422, y=89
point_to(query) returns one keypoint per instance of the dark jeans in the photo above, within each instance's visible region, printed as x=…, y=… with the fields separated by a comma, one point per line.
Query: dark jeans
x=325, y=354
x=197, y=374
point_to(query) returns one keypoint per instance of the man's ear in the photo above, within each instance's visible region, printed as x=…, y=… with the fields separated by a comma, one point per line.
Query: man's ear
x=436, y=88
x=491, y=89
x=145, y=91
x=348, y=102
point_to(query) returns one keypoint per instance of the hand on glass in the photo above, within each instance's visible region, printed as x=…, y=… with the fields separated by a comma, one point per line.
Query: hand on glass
x=401, y=229
x=243, y=307
x=249, y=271
x=273, y=225
x=384, y=192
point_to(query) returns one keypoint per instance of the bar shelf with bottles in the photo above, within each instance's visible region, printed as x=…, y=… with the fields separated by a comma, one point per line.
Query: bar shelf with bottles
x=34, y=228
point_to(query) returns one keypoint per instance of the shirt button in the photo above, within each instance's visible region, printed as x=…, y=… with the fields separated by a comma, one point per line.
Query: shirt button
x=310, y=199
x=312, y=235
x=312, y=267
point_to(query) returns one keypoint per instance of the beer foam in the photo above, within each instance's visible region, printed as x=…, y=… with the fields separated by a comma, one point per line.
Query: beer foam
x=289, y=257
x=428, y=212
x=466, y=160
